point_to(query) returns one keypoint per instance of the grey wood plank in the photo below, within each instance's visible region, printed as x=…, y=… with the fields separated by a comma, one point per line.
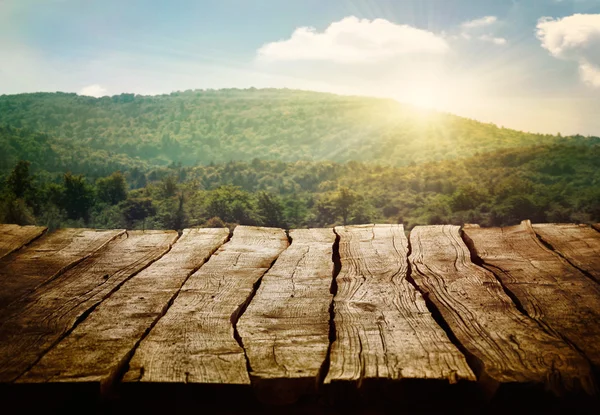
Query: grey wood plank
x=384, y=329
x=35, y=323
x=13, y=237
x=508, y=347
x=579, y=244
x=97, y=351
x=194, y=341
x=546, y=286
x=46, y=258
x=285, y=329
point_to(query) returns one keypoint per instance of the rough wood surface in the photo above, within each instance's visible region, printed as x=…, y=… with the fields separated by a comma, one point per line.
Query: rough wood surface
x=13, y=237
x=46, y=258
x=99, y=348
x=596, y=226
x=579, y=244
x=383, y=327
x=194, y=341
x=33, y=324
x=507, y=346
x=546, y=286
x=285, y=329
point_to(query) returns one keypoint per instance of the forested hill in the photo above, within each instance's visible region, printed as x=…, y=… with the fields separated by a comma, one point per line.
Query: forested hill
x=557, y=183
x=59, y=131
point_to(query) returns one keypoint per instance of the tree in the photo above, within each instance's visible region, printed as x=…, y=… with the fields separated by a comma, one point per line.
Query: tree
x=295, y=211
x=231, y=204
x=16, y=211
x=362, y=212
x=19, y=180
x=325, y=211
x=344, y=201
x=112, y=189
x=78, y=197
x=169, y=186
x=137, y=209
x=467, y=197
x=270, y=209
x=172, y=214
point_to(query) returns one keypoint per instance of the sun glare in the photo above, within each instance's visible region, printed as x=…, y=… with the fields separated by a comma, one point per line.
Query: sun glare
x=423, y=98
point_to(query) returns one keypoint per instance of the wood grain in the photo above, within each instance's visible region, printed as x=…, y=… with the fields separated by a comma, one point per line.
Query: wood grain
x=579, y=244
x=383, y=327
x=194, y=341
x=13, y=237
x=99, y=348
x=285, y=329
x=546, y=286
x=35, y=323
x=508, y=347
x=47, y=258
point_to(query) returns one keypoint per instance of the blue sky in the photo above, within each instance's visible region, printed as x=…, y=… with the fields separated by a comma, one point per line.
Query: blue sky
x=527, y=64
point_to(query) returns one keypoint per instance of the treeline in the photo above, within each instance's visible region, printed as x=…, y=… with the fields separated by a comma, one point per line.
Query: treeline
x=206, y=126
x=551, y=183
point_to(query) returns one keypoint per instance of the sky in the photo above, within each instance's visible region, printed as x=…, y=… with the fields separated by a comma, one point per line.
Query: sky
x=533, y=65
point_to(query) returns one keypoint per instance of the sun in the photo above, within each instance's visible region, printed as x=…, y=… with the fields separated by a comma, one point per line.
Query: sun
x=421, y=97
x=424, y=98
x=441, y=94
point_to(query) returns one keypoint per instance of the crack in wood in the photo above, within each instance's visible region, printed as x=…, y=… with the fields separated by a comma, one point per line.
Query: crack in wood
x=235, y=317
x=548, y=245
x=337, y=266
x=111, y=383
x=23, y=242
x=475, y=259
x=473, y=361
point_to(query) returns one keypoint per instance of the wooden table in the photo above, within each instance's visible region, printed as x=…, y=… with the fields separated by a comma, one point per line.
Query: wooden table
x=355, y=318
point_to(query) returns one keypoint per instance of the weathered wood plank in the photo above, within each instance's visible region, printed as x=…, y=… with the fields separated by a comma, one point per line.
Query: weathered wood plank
x=33, y=324
x=547, y=287
x=46, y=258
x=579, y=244
x=194, y=341
x=96, y=351
x=383, y=327
x=596, y=226
x=13, y=237
x=285, y=329
x=507, y=347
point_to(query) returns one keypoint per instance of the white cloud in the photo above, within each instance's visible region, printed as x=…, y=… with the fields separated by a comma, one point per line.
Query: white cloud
x=492, y=39
x=575, y=38
x=481, y=22
x=479, y=29
x=570, y=36
x=590, y=74
x=94, y=90
x=353, y=40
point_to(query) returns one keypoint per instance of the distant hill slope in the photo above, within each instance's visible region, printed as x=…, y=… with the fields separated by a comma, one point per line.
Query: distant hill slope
x=202, y=127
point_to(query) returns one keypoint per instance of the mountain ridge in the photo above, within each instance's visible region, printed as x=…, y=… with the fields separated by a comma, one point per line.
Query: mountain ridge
x=214, y=126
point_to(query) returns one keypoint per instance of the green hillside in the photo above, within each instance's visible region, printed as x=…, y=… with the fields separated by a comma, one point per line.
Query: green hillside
x=279, y=158
x=202, y=127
